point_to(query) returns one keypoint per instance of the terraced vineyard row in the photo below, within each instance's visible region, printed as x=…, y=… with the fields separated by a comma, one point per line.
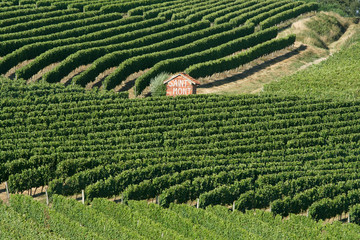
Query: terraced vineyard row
x=68, y=219
x=252, y=151
x=56, y=40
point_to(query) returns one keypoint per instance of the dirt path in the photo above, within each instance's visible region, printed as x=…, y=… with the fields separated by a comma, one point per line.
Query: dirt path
x=39, y=75
x=317, y=61
x=67, y=79
x=12, y=72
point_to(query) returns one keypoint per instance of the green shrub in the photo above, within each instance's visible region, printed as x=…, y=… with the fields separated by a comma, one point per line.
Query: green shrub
x=157, y=86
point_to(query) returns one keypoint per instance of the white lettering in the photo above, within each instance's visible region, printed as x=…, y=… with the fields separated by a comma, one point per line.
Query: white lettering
x=182, y=83
x=179, y=90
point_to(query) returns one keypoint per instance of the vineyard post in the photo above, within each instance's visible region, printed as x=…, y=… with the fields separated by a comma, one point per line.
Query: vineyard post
x=122, y=198
x=349, y=220
x=197, y=203
x=157, y=200
x=7, y=191
x=307, y=213
x=82, y=196
x=233, y=206
x=47, y=197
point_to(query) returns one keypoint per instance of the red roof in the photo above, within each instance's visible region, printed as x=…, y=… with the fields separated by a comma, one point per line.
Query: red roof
x=191, y=79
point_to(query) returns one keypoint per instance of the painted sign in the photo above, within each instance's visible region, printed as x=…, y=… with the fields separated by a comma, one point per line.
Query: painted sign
x=181, y=84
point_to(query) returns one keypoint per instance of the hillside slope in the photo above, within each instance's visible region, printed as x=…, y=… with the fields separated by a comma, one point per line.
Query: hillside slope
x=313, y=45
x=338, y=77
x=105, y=43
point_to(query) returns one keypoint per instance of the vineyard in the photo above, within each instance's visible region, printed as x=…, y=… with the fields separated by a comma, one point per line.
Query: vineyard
x=103, y=43
x=69, y=219
x=289, y=154
x=283, y=164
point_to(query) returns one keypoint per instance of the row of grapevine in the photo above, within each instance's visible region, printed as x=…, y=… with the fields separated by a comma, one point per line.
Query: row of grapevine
x=52, y=48
x=327, y=208
x=156, y=41
x=302, y=201
x=15, y=226
x=87, y=26
x=266, y=5
x=69, y=219
x=104, y=60
x=12, y=12
x=57, y=222
x=32, y=17
x=25, y=27
x=71, y=34
x=285, y=15
x=258, y=151
x=220, y=65
x=222, y=40
x=180, y=63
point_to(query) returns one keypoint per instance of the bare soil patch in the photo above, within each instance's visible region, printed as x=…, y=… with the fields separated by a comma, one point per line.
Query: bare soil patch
x=67, y=80
x=129, y=83
x=12, y=72
x=100, y=78
x=39, y=75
